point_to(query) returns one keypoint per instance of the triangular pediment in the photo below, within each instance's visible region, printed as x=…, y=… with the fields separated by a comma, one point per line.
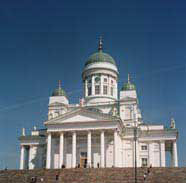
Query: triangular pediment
x=80, y=115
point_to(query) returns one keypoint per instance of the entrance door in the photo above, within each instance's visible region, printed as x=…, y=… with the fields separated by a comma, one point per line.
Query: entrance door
x=83, y=159
x=68, y=160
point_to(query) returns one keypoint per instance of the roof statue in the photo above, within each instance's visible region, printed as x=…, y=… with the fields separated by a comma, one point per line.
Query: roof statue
x=173, y=124
x=23, y=131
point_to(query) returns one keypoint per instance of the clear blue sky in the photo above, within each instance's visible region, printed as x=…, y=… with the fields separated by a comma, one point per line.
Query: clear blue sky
x=44, y=41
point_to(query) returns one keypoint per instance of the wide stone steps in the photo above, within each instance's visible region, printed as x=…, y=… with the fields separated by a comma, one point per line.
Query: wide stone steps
x=97, y=175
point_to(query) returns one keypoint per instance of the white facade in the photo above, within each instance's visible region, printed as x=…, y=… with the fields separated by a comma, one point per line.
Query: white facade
x=100, y=131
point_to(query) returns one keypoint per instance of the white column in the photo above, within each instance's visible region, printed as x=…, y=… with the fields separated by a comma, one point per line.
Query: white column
x=86, y=88
x=93, y=88
x=89, y=149
x=22, y=158
x=30, y=165
x=162, y=153
x=74, y=150
x=151, y=154
x=102, y=149
x=61, y=150
x=101, y=85
x=49, y=143
x=175, y=155
x=115, y=148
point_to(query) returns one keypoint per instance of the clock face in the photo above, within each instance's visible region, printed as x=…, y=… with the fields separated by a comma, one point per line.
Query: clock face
x=97, y=79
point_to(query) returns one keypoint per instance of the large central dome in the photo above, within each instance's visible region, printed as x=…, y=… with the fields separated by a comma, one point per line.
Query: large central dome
x=100, y=76
x=100, y=56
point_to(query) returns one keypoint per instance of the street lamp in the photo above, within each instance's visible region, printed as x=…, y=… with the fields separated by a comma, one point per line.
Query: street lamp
x=135, y=153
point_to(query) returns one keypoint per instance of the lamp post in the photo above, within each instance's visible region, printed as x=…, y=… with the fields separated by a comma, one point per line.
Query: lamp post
x=135, y=157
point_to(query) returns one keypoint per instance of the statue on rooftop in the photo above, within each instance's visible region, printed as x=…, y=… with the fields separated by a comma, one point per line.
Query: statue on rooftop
x=172, y=125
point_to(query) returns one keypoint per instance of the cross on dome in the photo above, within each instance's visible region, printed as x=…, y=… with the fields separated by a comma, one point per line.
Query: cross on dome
x=59, y=84
x=100, y=48
x=128, y=78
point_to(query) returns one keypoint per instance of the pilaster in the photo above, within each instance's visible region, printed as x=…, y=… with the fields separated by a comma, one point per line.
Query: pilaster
x=89, y=149
x=74, y=150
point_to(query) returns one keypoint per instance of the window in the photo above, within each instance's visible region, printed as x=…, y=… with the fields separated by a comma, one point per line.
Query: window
x=105, y=80
x=105, y=89
x=112, y=82
x=97, y=79
x=89, y=91
x=112, y=91
x=84, y=154
x=97, y=90
x=143, y=147
x=144, y=162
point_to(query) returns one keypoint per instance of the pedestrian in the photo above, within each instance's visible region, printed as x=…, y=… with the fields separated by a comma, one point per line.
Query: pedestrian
x=145, y=176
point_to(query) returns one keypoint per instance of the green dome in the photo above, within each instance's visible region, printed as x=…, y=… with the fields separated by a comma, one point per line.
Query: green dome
x=100, y=57
x=59, y=91
x=128, y=86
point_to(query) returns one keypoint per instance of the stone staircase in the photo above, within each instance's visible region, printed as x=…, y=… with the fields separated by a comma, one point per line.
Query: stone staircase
x=97, y=175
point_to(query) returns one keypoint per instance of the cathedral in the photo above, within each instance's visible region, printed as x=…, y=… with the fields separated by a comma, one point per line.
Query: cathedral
x=105, y=129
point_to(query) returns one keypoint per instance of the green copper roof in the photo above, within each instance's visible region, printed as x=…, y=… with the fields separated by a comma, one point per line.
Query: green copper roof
x=59, y=91
x=128, y=86
x=100, y=56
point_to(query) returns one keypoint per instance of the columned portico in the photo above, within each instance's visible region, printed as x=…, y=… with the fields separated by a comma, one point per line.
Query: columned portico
x=102, y=149
x=61, y=150
x=22, y=159
x=73, y=149
x=89, y=149
x=49, y=142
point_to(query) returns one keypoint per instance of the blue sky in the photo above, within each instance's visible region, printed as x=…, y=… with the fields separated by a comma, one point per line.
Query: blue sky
x=44, y=41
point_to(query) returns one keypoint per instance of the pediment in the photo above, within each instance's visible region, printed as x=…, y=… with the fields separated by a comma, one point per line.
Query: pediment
x=80, y=115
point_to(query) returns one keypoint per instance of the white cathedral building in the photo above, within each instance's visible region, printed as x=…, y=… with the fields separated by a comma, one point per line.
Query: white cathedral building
x=105, y=129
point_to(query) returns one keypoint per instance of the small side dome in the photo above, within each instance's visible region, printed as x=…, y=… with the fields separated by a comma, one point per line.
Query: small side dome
x=59, y=91
x=128, y=86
